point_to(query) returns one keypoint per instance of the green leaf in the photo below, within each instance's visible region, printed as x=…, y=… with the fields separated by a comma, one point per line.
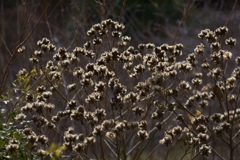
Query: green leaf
x=56, y=150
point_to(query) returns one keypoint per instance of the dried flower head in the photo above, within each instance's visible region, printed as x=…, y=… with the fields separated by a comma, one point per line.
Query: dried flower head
x=167, y=140
x=110, y=135
x=221, y=31
x=142, y=134
x=231, y=41
x=205, y=149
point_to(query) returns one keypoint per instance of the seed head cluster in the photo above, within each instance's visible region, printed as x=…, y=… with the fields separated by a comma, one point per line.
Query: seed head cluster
x=108, y=97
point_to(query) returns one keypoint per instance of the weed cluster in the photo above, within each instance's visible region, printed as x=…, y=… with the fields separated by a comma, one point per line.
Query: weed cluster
x=110, y=100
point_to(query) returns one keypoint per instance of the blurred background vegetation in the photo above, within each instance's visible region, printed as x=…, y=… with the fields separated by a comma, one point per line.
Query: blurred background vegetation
x=65, y=22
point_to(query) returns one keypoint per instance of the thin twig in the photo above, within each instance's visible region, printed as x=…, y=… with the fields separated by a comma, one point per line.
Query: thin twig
x=121, y=12
x=218, y=154
x=152, y=151
x=5, y=45
x=110, y=148
x=184, y=17
x=6, y=72
x=28, y=21
x=152, y=136
x=35, y=26
x=231, y=13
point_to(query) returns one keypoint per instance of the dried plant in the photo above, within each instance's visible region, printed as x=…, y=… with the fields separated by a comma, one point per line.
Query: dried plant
x=110, y=100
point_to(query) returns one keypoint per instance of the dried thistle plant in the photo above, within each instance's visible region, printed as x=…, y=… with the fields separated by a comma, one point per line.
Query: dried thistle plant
x=110, y=100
